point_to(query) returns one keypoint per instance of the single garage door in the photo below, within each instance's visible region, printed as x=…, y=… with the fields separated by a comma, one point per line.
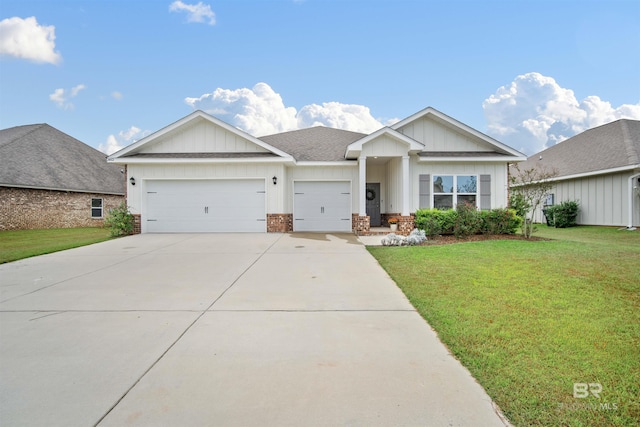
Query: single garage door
x=322, y=206
x=206, y=206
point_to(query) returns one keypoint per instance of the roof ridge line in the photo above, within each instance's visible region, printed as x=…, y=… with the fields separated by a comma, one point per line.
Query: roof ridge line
x=632, y=154
x=37, y=126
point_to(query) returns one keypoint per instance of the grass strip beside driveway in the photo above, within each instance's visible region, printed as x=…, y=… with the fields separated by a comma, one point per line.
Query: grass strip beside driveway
x=19, y=244
x=530, y=319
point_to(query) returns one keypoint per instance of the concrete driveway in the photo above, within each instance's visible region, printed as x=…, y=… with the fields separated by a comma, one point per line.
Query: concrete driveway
x=222, y=329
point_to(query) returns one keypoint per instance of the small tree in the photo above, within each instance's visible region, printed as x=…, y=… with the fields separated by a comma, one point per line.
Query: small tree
x=529, y=189
x=120, y=221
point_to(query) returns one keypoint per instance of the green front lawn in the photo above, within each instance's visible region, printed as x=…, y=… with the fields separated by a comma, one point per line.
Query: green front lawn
x=530, y=319
x=18, y=244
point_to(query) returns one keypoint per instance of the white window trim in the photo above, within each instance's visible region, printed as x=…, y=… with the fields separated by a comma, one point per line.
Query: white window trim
x=455, y=193
x=101, y=208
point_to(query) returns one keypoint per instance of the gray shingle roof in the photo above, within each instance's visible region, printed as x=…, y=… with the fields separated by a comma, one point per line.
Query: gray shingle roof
x=319, y=143
x=613, y=145
x=40, y=156
x=479, y=154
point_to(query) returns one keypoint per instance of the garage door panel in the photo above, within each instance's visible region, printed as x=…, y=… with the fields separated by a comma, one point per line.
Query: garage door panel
x=322, y=206
x=206, y=206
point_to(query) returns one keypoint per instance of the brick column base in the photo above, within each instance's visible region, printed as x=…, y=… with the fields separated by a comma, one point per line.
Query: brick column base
x=279, y=223
x=360, y=224
x=406, y=224
x=137, y=224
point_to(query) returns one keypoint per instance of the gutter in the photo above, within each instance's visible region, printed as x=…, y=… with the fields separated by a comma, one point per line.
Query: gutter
x=632, y=187
x=65, y=190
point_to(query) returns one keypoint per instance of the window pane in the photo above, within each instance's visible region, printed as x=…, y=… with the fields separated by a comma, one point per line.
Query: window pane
x=96, y=212
x=467, y=184
x=96, y=203
x=443, y=202
x=443, y=184
x=467, y=199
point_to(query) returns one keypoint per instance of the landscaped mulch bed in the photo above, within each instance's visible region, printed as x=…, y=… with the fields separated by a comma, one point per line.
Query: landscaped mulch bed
x=449, y=239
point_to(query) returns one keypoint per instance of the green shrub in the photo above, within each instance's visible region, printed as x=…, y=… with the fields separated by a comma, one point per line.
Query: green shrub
x=468, y=221
x=120, y=221
x=563, y=215
x=500, y=221
x=518, y=203
x=436, y=221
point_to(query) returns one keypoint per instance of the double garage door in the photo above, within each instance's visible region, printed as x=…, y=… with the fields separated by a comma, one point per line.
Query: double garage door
x=206, y=206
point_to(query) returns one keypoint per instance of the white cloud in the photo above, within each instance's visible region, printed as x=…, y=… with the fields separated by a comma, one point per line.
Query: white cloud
x=122, y=139
x=261, y=111
x=352, y=117
x=26, y=39
x=116, y=95
x=62, y=98
x=534, y=112
x=199, y=12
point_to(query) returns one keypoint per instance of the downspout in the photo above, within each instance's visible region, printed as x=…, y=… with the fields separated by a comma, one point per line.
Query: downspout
x=508, y=185
x=630, y=226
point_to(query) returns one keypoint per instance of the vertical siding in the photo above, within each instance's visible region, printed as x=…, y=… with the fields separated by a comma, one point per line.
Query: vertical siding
x=603, y=199
x=384, y=147
x=437, y=137
x=394, y=186
x=202, y=137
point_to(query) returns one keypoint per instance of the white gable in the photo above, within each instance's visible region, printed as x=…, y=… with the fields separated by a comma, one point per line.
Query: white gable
x=438, y=137
x=439, y=132
x=384, y=146
x=199, y=133
x=201, y=136
x=383, y=142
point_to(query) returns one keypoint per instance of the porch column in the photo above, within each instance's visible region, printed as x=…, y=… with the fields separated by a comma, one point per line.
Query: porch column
x=405, y=186
x=362, y=191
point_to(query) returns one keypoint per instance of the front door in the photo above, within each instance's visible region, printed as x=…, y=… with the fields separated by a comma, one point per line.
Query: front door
x=373, y=203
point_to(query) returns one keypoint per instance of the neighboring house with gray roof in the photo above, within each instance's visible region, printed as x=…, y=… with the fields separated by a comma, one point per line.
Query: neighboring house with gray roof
x=201, y=174
x=49, y=179
x=599, y=168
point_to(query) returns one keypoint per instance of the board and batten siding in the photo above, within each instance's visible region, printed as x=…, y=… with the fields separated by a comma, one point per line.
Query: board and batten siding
x=274, y=193
x=603, y=199
x=497, y=171
x=437, y=137
x=384, y=146
x=394, y=186
x=202, y=137
x=321, y=173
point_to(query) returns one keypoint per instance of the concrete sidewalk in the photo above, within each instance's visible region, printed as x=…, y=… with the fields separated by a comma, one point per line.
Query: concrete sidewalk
x=223, y=329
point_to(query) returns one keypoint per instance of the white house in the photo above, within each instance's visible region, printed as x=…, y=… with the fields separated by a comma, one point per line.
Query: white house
x=201, y=174
x=599, y=168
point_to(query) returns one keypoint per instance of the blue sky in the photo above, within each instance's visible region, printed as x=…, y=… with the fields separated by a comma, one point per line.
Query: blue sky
x=528, y=73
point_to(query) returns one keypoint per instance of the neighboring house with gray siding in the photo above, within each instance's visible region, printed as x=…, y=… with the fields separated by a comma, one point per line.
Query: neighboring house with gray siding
x=599, y=168
x=49, y=179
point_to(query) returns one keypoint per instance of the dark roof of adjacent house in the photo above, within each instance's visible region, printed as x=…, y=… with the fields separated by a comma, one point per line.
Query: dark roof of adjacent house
x=319, y=143
x=610, y=146
x=40, y=156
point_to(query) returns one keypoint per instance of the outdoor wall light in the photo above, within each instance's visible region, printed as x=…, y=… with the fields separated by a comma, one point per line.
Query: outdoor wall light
x=275, y=180
x=132, y=180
